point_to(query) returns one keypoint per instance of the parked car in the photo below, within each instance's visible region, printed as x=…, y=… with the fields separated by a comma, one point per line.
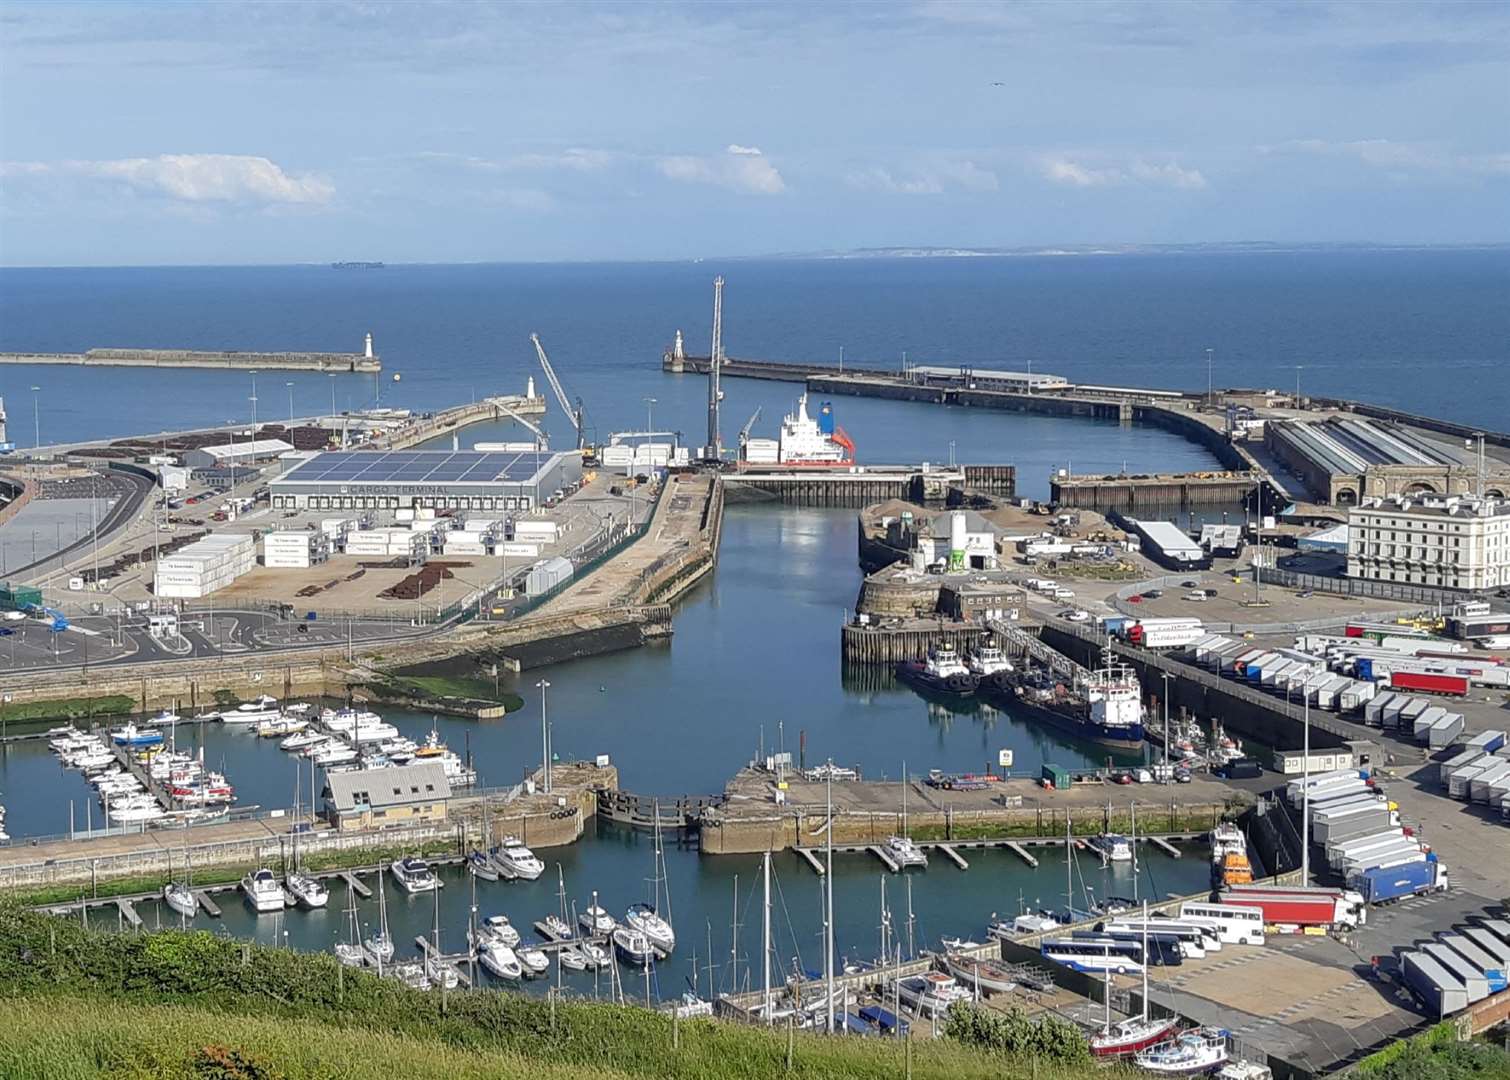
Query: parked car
x=1075, y=615
x=1188, y=584
x=1123, y=778
x=1304, y=593
x=1135, y=599
x=1182, y=776
x=1199, y=594
x=1153, y=594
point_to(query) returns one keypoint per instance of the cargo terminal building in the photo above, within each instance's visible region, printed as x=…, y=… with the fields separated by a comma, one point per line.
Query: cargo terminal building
x=442, y=479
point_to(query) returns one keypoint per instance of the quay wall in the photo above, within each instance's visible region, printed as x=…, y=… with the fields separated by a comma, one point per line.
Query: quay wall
x=1126, y=493
x=747, y=833
x=193, y=358
x=891, y=645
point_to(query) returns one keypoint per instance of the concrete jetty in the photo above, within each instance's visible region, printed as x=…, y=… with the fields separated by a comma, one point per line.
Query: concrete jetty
x=195, y=358
x=356, y=886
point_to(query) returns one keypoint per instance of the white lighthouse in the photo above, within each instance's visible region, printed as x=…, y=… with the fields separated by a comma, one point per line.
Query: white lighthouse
x=367, y=348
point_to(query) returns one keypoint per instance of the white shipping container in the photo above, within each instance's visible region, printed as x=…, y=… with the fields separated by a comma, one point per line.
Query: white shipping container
x=535, y=528
x=404, y=514
x=480, y=525
x=515, y=548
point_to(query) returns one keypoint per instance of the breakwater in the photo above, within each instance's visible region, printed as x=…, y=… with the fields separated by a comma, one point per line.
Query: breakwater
x=196, y=358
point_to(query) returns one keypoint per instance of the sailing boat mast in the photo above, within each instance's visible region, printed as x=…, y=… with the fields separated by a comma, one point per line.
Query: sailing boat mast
x=828, y=899
x=765, y=934
x=1069, y=870
x=911, y=944
x=1134, y=846
x=734, y=941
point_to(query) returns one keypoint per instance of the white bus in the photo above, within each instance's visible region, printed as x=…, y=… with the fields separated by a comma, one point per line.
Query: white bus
x=1195, y=940
x=1235, y=925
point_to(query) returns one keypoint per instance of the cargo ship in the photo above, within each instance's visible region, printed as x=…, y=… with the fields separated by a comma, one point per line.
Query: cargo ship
x=1104, y=708
x=804, y=442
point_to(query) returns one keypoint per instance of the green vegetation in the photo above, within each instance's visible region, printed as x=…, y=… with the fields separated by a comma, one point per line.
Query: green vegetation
x=1014, y=1035
x=1436, y=1054
x=66, y=709
x=82, y=1003
x=459, y=695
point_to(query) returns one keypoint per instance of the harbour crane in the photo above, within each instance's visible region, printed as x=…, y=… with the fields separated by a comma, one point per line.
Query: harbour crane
x=541, y=438
x=744, y=432
x=573, y=412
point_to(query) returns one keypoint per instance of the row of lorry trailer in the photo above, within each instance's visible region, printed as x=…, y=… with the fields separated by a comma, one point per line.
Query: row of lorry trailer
x=1459, y=967
x=1359, y=830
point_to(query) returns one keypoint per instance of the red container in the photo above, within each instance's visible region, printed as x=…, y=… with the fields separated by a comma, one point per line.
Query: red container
x=1429, y=683
x=1320, y=909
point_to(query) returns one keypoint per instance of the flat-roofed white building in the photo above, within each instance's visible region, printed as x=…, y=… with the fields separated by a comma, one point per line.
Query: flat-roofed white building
x=1459, y=542
x=236, y=453
x=973, y=378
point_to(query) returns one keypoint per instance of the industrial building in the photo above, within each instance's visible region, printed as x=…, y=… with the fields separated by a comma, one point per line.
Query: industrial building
x=235, y=453
x=1452, y=543
x=1344, y=460
x=439, y=479
x=1016, y=382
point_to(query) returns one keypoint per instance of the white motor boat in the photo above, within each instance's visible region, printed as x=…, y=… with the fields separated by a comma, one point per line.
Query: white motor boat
x=281, y=725
x=441, y=974
x=1227, y=839
x=1199, y=1050
x=644, y=918
x=1112, y=847
x=136, y=813
x=500, y=961
x=689, y=1007
x=496, y=929
x=457, y=773
x=596, y=921
x=514, y=860
x=632, y=946
x=594, y=956
x=414, y=875
x=931, y=993
x=262, y=891
x=572, y=958
x=310, y=892
x=302, y=740
x=335, y=754
x=533, y=960
x=904, y=852
x=181, y=899
x=373, y=733
x=165, y=718
x=252, y=712
x=412, y=974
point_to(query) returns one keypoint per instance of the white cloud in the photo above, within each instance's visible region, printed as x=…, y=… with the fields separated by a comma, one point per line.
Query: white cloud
x=1168, y=173
x=194, y=178
x=930, y=179
x=739, y=168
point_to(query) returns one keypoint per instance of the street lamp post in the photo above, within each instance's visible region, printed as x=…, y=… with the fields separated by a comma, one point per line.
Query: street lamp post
x=254, y=404
x=649, y=415
x=545, y=738
x=1209, y=396
x=1166, y=726
x=1297, y=384
x=290, y=403
x=36, y=420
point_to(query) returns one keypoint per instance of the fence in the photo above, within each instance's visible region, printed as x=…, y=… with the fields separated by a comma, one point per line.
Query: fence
x=1382, y=590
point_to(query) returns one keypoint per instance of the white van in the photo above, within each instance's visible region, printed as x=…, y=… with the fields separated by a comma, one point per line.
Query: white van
x=1061, y=593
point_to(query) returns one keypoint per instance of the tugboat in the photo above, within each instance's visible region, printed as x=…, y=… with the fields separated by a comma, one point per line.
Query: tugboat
x=1103, y=706
x=986, y=662
x=942, y=672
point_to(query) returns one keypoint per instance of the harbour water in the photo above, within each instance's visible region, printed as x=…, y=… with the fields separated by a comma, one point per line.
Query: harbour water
x=754, y=660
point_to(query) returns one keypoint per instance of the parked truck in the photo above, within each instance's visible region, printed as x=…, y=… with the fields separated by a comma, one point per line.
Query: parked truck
x=1300, y=905
x=1381, y=885
x=1429, y=682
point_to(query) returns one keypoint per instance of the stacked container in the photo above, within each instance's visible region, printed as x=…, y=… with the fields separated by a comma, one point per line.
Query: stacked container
x=295, y=549
x=387, y=543
x=205, y=566
x=535, y=531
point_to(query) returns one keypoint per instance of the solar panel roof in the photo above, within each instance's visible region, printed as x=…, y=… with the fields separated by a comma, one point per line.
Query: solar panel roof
x=415, y=467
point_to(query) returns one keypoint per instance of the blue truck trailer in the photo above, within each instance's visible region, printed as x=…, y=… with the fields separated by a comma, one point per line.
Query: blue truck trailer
x=1379, y=885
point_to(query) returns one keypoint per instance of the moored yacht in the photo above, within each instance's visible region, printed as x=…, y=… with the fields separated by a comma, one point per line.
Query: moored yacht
x=482, y=866
x=554, y=928
x=499, y=960
x=414, y=875
x=596, y=920
x=496, y=928
x=181, y=899
x=632, y=946
x=644, y=918
x=302, y=740
x=281, y=725
x=904, y=852
x=252, y=712
x=533, y=960
x=262, y=891
x=514, y=860
x=131, y=735
x=309, y=892
x=1131, y=1035
x=1110, y=846
x=164, y=718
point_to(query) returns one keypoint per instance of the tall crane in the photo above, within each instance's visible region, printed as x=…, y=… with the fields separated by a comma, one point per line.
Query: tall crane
x=541, y=438
x=573, y=412
x=744, y=432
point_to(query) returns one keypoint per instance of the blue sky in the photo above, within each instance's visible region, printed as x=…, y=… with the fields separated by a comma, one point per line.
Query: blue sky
x=252, y=133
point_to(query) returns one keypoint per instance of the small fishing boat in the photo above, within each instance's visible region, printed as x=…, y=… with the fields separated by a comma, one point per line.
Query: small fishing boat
x=632, y=946
x=1190, y=1053
x=131, y=735
x=980, y=973
x=554, y=928
x=596, y=920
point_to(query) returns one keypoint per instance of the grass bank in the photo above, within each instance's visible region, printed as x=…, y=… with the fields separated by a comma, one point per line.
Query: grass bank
x=84, y=1004
x=74, y=708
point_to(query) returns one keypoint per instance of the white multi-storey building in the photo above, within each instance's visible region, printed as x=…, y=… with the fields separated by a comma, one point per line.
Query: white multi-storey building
x=1459, y=542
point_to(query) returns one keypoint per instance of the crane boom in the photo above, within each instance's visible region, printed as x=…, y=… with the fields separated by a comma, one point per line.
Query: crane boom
x=498, y=404
x=573, y=413
x=744, y=432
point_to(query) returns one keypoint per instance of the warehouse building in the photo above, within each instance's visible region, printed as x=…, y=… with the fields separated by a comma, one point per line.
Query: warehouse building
x=440, y=479
x=235, y=453
x=972, y=378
